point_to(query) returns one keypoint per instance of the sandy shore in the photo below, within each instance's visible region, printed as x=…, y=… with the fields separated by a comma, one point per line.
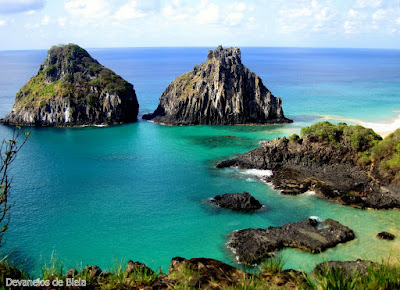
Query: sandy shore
x=381, y=128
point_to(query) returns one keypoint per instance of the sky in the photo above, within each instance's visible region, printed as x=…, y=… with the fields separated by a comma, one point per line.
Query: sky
x=39, y=24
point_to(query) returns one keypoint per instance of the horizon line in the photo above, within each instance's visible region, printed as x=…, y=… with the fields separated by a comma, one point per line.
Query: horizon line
x=205, y=46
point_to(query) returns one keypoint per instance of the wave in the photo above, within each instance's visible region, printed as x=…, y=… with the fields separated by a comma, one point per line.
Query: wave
x=258, y=172
x=317, y=218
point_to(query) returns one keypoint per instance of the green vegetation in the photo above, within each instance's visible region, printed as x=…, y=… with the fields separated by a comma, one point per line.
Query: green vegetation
x=381, y=155
x=376, y=276
x=186, y=85
x=360, y=138
x=384, y=275
x=70, y=72
x=386, y=154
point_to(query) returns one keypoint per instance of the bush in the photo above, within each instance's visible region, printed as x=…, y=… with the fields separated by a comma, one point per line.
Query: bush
x=360, y=138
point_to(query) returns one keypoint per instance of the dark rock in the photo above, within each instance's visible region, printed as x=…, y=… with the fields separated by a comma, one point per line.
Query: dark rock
x=237, y=201
x=385, y=236
x=207, y=271
x=330, y=171
x=71, y=88
x=92, y=271
x=132, y=267
x=221, y=91
x=72, y=272
x=348, y=267
x=251, y=246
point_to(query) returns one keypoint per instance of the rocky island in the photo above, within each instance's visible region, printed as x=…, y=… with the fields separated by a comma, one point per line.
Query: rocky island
x=220, y=91
x=251, y=246
x=348, y=164
x=237, y=201
x=71, y=88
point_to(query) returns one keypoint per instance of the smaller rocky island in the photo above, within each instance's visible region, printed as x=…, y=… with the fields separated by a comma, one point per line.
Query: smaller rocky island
x=237, y=201
x=251, y=246
x=71, y=89
x=348, y=164
x=220, y=91
x=385, y=236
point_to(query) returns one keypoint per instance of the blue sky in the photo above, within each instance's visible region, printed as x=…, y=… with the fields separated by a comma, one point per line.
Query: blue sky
x=39, y=24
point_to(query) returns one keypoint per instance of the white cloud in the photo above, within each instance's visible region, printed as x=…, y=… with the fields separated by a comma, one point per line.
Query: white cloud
x=88, y=8
x=208, y=13
x=307, y=16
x=368, y=4
x=62, y=21
x=3, y=22
x=18, y=6
x=45, y=20
x=130, y=11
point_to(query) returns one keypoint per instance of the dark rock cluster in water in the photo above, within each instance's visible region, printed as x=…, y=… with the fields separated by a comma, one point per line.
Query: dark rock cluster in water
x=251, y=246
x=237, y=201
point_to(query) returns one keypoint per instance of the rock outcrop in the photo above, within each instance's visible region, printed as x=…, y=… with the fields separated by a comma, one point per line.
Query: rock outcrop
x=346, y=268
x=71, y=88
x=221, y=91
x=319, y=166
x=237, y=201
x=385, y=236
x=251, y=246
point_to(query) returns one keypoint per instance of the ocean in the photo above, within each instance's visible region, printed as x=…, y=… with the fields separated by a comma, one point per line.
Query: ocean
x=140, y=191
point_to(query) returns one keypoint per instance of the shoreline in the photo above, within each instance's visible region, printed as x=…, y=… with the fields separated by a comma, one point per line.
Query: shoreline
x=382, y=128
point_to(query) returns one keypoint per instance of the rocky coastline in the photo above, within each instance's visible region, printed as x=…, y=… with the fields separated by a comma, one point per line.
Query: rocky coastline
x=311, y=164
x=220, y=91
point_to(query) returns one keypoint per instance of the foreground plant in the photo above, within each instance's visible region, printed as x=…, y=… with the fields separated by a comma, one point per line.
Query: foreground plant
x=8, y=152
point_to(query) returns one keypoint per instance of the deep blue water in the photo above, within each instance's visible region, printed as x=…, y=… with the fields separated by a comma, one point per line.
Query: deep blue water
x=139, y=191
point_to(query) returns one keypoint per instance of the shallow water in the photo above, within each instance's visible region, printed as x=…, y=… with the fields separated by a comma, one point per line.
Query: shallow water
x=139, y=191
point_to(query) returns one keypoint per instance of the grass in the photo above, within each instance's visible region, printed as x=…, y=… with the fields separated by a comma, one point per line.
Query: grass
x=384, y=275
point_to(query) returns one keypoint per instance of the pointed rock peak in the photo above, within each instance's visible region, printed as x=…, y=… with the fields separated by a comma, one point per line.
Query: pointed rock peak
x=222, y=54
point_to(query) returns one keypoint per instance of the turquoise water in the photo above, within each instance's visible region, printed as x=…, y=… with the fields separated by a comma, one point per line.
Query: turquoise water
x=139, y=191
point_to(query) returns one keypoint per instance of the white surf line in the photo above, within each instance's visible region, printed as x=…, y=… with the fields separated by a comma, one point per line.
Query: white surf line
x=382, y=128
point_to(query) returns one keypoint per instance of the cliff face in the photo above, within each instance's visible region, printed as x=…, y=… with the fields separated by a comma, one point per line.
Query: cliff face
x=71, y=88
x=219, y=91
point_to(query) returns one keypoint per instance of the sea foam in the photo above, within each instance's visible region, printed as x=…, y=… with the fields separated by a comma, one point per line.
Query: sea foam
x=258, y=172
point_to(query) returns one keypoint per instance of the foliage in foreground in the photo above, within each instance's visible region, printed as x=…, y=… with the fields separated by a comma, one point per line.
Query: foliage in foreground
x=270, y=276
x=8, y=153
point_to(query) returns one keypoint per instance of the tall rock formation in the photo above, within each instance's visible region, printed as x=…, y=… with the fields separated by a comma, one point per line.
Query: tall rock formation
x=71, y=88
x=221, y=91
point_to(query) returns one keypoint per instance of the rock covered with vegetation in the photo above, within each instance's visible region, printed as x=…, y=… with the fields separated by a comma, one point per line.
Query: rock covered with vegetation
x=221, y=91
x=251, y=246
x=71, y=88
x=205, y=273
x=349, y=164
x=237, y=201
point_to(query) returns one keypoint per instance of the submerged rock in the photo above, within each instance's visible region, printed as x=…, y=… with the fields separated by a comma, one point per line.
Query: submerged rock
x=71, y=88
x=237, y=201
x=251, y=246
x=385, y=236
x=221, y=91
